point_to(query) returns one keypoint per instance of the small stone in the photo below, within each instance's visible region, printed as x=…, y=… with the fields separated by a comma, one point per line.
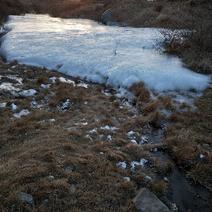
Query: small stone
x=72, y=188
x=51, y=178
x=201, y=156
x=166, y=179
x=149, y=202
x=26, y=198
x=127, y=179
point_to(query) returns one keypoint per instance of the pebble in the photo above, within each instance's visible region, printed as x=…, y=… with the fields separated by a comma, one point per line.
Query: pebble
x=27, y=198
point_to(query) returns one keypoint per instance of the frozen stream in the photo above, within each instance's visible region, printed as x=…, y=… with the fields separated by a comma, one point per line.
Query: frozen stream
x=112, y=55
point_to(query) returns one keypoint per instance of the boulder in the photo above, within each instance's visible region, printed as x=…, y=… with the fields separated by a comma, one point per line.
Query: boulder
x=146, y=201
x=107, y=18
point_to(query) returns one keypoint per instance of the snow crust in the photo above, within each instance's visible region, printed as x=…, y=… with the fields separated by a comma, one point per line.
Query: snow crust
x=118, y=56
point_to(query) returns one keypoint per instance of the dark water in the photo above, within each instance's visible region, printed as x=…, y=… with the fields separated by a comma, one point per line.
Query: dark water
x=188, y=196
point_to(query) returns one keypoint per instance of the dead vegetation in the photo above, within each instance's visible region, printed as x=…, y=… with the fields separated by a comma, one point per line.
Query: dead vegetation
x=67, y=159
x=189, y=140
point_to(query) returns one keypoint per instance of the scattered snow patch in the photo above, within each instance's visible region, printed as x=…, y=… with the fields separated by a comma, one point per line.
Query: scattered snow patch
x=24, y=112
x=53, y=79
x=28, y=93
x=64, y=106
x=109, y=138
x=83, y=85
x=3, y=104
x=7, y=86
x=122, y=165
x=68, y=81
x=45, y=86
x=141, y=163
x=144, y=140
x=14, y=107
x=93, y=131
x=109, y=128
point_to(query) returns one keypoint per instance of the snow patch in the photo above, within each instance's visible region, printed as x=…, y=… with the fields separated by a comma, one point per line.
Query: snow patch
x=3, y=104
x=64, y=106
x=7, y=86
x=141, y=163
x=23, y=112
x=118, y=56
x=14, y=107
x=122, y=165
x=68, y=81
x=109, y=128
x=45, y=86
x=28, y=93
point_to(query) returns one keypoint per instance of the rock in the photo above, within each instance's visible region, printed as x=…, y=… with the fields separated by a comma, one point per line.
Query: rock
x=162, y=18
x=108, y=19
x=50, y=177
x=146, y=201
x=72, y=189
x=26, y=198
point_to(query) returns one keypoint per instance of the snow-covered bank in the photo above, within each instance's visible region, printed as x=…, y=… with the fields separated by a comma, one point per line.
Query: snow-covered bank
x=112, y=55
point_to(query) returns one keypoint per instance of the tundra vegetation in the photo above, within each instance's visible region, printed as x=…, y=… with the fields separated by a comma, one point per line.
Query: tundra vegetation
x=66, y=152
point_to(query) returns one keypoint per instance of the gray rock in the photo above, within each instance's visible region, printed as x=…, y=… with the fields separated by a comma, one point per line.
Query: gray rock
x=146, y=201
x=26, y=198
x=50, y=177
x=107, y=18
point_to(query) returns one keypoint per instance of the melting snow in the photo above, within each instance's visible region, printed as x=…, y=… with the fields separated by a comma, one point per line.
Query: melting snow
x=14, y=107
x=93, y=131
x=3, y=105
x=109, y=128
x=45, y=86
x=64, y=80
x=109, y=138
x=28, y=93
x=53, y=79
x=144, y=139
x=118, y=56
x=83, y=85
x=7, y=86
x=141, y=163
x=24, y=112
x=122, y=165
x=65, y=105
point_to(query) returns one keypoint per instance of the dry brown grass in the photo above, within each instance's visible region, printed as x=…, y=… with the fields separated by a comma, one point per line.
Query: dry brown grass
x=32, y=149
x=159, y=187
x=190, y=137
